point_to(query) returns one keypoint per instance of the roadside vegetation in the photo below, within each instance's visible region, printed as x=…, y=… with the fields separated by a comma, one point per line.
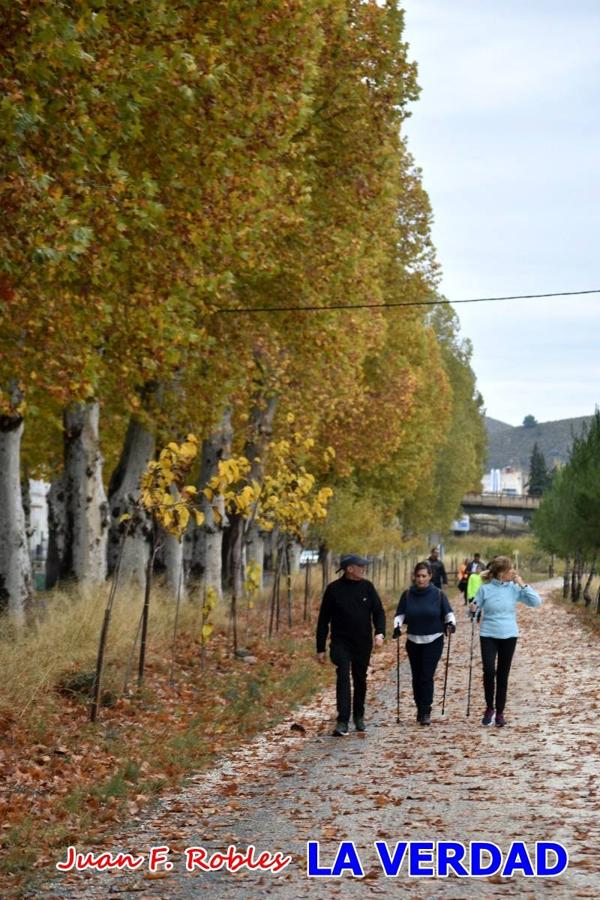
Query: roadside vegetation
x=64, y=780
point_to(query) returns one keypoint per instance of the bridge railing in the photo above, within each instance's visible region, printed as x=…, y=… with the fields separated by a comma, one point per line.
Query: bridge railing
x=501, y=500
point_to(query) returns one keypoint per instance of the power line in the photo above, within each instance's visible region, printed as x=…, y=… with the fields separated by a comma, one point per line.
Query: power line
x=263, y=309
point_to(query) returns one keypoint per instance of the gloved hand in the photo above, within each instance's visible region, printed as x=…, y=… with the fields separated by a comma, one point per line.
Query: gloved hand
x=397, y=632
x=449, y=628
x=397, y=627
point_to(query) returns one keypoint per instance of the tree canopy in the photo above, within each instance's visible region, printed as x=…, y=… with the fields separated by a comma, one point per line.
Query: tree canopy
x=169, y=168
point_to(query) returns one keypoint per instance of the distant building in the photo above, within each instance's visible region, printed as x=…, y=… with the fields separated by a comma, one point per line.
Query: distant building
x=38, y=537
x=461, y=526
x=508, y=480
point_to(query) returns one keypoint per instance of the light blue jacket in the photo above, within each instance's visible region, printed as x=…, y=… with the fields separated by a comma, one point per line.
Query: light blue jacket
x=498, y=600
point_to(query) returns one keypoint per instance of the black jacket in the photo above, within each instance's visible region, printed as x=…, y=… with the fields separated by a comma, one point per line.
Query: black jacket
x=438, y=572
x=353, y=609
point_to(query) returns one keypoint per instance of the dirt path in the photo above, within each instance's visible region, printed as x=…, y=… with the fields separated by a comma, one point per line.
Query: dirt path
x=536, y=779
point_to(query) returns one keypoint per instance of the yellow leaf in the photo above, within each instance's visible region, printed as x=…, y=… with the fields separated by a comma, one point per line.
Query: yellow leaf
x=188, y=450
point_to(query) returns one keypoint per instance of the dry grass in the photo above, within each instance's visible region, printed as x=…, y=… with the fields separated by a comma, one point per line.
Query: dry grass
x=64, y=780
x=64, y=636
x=585, y=613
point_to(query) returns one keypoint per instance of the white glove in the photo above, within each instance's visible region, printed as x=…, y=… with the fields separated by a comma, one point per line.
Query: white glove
x=398, y=621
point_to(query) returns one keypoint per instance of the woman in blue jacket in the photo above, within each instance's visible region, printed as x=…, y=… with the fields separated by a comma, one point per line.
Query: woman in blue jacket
x=428, y=615
x=496, y=600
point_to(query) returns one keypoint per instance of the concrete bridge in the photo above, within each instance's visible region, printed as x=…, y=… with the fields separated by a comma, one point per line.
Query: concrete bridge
x=500, y=505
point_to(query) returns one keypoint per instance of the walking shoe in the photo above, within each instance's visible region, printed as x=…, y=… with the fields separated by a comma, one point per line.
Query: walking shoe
x=359, y=724
x=488, y=717
x=425, y=718
x=500, y=720
x=341, y=729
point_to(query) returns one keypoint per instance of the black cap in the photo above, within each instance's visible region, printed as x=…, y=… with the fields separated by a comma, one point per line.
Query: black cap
x=353, y=559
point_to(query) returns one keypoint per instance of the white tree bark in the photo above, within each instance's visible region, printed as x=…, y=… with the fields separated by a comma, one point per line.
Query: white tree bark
x=294, y=556
x=124, y=489
x=255, y=549
x=261, y=429
x=85, y=499
x=16, y=584
x=173, y=561
x=207, y=565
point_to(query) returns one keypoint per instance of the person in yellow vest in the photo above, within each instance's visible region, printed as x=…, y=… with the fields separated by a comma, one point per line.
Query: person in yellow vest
x=473, y=584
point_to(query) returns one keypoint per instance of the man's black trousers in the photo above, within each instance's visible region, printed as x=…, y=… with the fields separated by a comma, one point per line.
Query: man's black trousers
x=350, y=660
x=423, y=660
x=503, y=648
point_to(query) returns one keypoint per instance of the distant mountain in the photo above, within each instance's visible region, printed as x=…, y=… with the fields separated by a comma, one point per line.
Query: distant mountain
x=510, y=446
x=493, y=426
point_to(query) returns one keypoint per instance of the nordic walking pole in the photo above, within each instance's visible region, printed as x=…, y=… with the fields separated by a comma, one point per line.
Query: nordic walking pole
x=446, y=675
x=398, y=680
x=470, y=664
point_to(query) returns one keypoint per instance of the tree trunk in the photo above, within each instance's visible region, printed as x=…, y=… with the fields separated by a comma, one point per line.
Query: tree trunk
x=306, y=614
x=16, y=583
x=57, y=528
x=566, y=578
x=295, y=550
x=575, y=582
x=123, y=491
x=288, y=581
x=237, y=563
x=207, y=552
x=586, y=591
x=173, y=561
x=255, y=551
x=26, y=500
x=325, y=558
x=261, y=429
x=86, y=509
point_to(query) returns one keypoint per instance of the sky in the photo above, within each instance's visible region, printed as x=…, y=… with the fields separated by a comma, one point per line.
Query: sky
x=507, y=134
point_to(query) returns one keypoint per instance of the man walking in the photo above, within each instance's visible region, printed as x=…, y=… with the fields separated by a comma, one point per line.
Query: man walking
x=352, y=608
x=438, y=571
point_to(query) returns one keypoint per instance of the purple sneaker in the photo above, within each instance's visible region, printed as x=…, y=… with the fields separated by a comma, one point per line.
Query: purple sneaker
x=500, y=720
x=488, y=717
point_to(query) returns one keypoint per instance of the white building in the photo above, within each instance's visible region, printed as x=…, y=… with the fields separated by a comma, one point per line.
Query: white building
x=38, y=539
x=504, y=481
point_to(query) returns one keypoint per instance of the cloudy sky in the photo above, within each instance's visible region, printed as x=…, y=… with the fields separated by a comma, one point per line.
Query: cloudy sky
x=507, y=132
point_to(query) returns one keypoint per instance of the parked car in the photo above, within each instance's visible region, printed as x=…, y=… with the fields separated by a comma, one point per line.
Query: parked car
x=309, y=557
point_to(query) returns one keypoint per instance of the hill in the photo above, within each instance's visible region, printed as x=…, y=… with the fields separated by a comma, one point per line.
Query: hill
x=494, y=426
x=512, y=446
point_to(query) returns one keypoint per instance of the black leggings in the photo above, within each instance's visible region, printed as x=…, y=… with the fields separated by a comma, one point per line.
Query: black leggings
x=423, y=660
x=493, y=677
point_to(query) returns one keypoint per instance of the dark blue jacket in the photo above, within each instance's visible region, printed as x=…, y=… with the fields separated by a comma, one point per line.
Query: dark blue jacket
x=424, y=609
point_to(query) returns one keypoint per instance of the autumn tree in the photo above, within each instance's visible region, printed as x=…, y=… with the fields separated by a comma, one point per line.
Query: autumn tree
x=124, y=124
x=168, y=169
